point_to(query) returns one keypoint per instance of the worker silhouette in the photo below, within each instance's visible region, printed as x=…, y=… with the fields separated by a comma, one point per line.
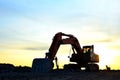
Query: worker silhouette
x=47, y=55
x=56, y=61
x=107, y=67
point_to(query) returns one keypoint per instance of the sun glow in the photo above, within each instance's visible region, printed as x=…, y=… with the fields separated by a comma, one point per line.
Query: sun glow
x=106, y=56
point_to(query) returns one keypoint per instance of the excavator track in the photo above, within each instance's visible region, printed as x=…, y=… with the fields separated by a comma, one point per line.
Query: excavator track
x=92, y=67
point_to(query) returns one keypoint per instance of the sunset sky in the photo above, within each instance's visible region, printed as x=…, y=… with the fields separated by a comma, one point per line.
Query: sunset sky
x=28, y=26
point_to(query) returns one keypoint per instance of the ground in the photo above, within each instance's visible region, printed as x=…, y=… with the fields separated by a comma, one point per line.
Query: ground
x=82, y=75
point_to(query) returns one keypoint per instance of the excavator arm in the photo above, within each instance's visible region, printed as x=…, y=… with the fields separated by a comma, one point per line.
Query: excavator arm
x=58, y=40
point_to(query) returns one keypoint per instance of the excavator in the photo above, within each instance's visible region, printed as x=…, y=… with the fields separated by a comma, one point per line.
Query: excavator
x=83, y=57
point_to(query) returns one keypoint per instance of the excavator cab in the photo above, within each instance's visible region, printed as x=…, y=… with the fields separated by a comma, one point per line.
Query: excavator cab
x=87, y=55
x=89, y=52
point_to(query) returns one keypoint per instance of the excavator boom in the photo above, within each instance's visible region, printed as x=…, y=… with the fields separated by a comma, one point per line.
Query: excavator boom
x=58, y=40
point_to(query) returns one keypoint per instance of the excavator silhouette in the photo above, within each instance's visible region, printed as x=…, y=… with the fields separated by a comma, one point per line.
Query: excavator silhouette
x=83, y=57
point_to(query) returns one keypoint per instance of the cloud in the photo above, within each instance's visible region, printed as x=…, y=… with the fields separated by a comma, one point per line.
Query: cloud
x=36, y=48
x=115, y=47
x=105, y=40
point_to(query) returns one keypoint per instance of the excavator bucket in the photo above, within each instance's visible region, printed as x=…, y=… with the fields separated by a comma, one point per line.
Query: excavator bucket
x=42, y=65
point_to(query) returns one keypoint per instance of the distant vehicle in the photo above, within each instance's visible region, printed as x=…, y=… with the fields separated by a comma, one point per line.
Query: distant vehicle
x=84, y=57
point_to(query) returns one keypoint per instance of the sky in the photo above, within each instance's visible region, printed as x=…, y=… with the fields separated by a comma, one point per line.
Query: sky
x=28, y=26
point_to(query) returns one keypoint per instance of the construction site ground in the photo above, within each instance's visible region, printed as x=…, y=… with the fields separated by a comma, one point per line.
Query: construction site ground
x=63, y=75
